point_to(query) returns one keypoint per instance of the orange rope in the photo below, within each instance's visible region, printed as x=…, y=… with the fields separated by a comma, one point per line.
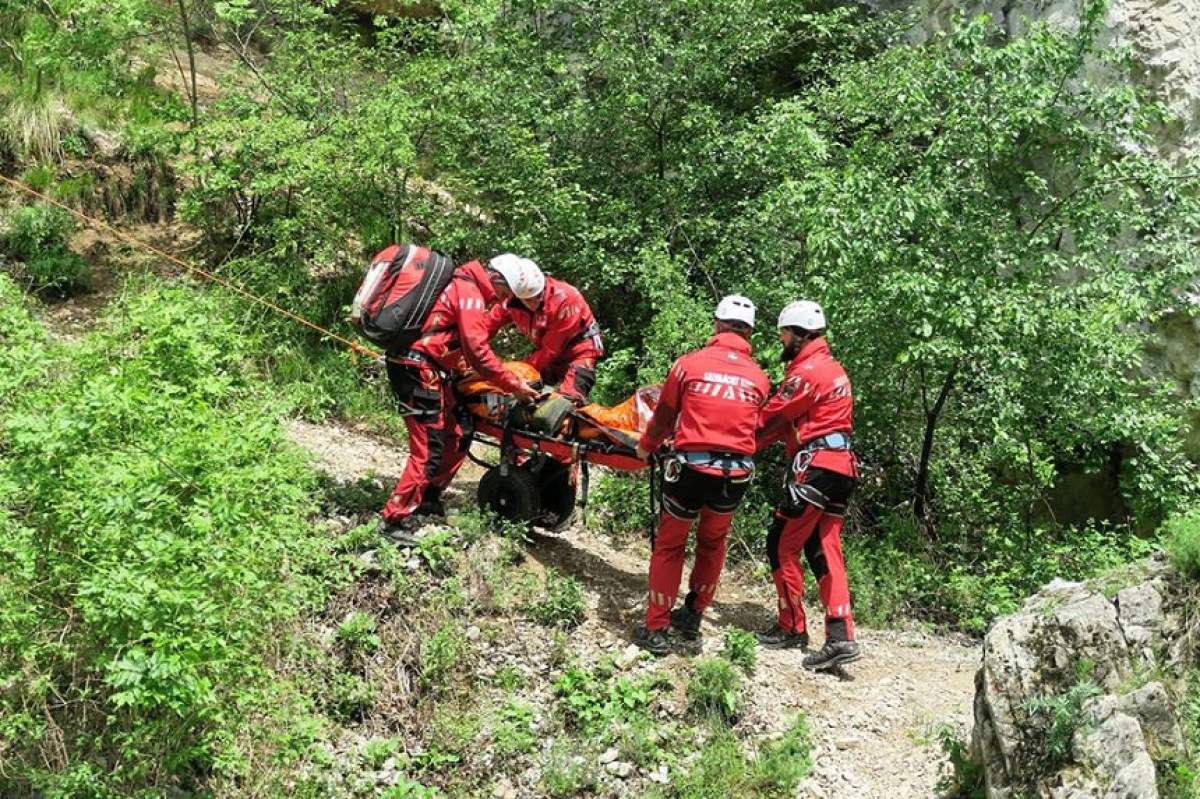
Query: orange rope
x=354, y=346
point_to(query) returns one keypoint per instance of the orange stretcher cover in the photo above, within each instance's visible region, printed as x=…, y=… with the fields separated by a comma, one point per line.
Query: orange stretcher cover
x=620, y=424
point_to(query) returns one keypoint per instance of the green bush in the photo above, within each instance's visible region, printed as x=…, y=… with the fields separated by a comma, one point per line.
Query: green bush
x=740, y=649
x=966, y=777
x=157, y=543
x=357, y=633
x=596, y=702
x=1182, y=540
x=781, y=764
x=442, y=654
x=37, y=235
x=724, y=769
x=1060, y=715
x=562, y=605
x=714, y=689
x=512, y=729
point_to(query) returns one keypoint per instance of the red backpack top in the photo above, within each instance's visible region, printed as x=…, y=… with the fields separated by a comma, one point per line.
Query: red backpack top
x=395, y=297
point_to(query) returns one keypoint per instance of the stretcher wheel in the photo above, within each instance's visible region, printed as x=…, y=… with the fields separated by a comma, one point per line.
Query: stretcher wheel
x=510, y=492
x=556, y=492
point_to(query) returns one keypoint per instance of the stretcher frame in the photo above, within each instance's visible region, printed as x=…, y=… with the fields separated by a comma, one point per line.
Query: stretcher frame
x=600, y=453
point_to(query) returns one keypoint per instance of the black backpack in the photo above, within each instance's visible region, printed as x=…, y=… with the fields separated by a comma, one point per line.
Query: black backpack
x=401, y=285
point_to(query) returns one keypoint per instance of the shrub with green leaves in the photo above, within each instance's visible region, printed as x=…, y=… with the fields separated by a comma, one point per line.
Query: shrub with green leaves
x=158, y=541
x=596, y=701
x=723, y=767
x=781, y=764
x=512, y=729
x=442, y=654
x=1182, y=540
x=358, y=634
x=1059, y=715
x=37, y=236
x=562, y=604
x=741, y=649
x=714, y=689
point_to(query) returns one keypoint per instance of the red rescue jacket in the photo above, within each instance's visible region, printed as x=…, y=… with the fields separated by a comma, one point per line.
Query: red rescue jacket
x=455, y=336
x=711, y=400
x=563, y=329
x=814, y=400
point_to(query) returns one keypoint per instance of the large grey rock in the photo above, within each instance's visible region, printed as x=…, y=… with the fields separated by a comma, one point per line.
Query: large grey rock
x=1113, y=751
x=1140, y=611
x=1035, y=654
x=1031, y=654
x=1154, y=709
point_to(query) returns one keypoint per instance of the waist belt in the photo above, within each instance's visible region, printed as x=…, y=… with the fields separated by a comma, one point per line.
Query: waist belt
x=417, y=358
x=725, y=461
x=592, y=331
x=840, y=441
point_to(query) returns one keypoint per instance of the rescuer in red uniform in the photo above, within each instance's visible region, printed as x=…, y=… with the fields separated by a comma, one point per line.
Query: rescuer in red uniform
x=709, y=405
x=454, y=340
x=554, y=316
x=812, y=414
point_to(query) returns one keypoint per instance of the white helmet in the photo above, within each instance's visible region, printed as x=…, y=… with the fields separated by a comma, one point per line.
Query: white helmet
x=531, y=281
x=522, y=275
x=804, y=314
x=735, y=308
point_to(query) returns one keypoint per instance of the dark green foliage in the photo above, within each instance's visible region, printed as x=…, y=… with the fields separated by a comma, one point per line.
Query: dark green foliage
x=157, y=541
x=966, y=780
x=37, y=236
x=901, y=573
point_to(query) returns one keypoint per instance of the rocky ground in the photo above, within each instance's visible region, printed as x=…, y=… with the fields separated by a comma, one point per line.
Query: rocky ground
x=874, y=728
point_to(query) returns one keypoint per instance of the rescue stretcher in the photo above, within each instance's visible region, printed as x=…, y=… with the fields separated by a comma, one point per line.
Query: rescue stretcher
x=546, y=448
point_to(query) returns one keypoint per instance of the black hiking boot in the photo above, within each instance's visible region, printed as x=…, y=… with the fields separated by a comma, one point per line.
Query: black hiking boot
x=686, y=622
x=399, y=532
x=431, y=504
x=779, y=638
x=832, y=655
x=653, y=641
x=431, y=507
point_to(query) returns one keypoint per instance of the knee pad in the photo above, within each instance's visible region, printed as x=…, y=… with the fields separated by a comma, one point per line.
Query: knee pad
x=773, y=535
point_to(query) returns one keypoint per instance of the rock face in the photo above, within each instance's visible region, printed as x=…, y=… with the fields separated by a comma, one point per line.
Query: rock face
x=1163, y=35
x=1072, y=643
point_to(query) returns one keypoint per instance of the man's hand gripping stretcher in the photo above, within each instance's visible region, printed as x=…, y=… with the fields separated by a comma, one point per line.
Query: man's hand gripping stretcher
x=555, y=416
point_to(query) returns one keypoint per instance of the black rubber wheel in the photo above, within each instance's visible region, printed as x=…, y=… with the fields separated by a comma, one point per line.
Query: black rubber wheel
x=556, y=492
x=510, y=492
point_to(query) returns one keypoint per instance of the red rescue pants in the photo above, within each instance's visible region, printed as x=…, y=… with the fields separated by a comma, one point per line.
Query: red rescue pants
x=712, y=498
x=436, y=446
x=811, y=520
x=574, y=378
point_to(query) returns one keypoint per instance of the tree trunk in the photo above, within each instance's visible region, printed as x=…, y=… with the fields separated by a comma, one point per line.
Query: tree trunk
x=191, y=53
x=921, y=492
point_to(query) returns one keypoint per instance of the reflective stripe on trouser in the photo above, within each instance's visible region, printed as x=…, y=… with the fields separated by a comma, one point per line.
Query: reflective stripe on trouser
x=666, y=564
x=819, y=534
x=434, y=456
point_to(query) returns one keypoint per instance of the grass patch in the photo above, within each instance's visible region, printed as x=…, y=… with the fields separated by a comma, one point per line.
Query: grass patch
x=714, y=689
x=1182, y=539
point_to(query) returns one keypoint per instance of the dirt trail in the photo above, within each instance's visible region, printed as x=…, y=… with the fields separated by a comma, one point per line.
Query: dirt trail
x=874, y=728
